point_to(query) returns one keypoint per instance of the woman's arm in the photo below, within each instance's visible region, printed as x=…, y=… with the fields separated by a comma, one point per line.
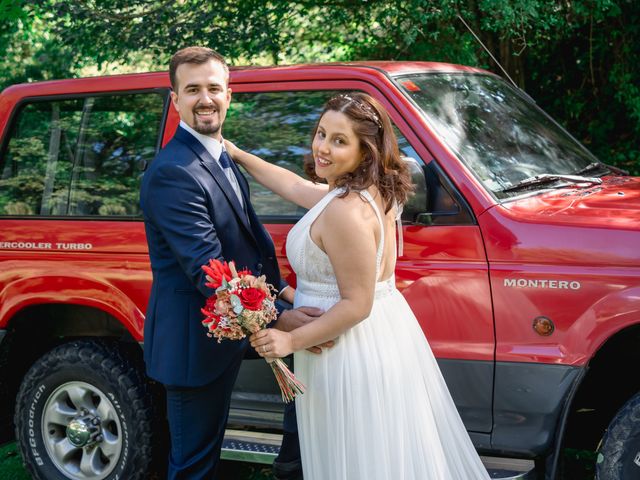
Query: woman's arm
x=348, y=234
x=279, y=180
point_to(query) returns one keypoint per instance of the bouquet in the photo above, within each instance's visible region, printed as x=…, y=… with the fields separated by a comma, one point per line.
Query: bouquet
x=242, y=305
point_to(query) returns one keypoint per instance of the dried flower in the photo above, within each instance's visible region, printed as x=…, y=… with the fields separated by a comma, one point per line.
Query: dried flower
x=242, y=305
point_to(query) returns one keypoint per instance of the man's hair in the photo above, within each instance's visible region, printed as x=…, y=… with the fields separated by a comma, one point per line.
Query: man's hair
x=197, y=56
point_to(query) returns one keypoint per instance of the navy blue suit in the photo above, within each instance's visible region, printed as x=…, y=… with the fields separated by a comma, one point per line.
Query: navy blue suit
x=191, y=215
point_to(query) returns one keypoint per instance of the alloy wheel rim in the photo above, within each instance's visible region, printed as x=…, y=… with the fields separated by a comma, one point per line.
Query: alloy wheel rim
x=81, y=431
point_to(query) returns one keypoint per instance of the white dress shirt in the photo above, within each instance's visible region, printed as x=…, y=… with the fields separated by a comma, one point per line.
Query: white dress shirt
x=215, y=148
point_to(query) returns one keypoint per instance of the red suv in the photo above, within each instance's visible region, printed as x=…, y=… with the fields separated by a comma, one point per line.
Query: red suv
x=521, y=261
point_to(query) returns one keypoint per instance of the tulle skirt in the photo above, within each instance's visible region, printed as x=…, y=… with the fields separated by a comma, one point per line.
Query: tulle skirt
x=376, y=405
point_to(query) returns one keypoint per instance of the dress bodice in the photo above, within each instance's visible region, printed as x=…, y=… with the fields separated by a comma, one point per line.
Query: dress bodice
x=314, y=272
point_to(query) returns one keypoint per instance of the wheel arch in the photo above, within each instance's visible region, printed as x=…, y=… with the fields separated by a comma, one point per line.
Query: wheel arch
x=19, y=296
x=39, y=327
x=602, y=391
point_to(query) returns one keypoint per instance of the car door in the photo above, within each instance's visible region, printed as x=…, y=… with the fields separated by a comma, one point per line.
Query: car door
x=443, y=269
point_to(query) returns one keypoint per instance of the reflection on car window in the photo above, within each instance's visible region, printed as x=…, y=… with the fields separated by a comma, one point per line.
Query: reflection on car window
x=80, y=157
x=276, y=126
x=501, y=135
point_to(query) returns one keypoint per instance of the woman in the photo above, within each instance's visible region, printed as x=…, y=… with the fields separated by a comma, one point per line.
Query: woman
x=376, y=405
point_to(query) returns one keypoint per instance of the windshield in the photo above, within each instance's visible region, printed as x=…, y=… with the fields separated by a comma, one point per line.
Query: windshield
x=500, y=134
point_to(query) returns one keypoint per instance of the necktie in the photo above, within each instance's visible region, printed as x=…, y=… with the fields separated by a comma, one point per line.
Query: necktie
x=225, y=160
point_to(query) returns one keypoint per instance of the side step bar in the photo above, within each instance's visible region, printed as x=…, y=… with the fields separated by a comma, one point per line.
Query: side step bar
x=257, y=447
x=253, y=447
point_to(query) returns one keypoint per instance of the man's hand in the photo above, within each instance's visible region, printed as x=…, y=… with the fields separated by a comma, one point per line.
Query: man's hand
x=318, y=348
x=292, y=319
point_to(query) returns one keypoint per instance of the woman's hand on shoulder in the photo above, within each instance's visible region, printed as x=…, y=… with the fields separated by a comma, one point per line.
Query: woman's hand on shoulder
x=234, y=152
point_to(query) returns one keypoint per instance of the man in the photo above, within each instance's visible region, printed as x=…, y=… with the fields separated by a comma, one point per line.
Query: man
x=196, y=207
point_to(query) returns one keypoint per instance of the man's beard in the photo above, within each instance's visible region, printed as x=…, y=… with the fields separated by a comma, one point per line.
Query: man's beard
x=206, y=128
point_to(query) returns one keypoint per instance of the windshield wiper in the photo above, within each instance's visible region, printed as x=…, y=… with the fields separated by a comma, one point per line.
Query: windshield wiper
x=548, y=178
x=590, y=168
x=599, y=165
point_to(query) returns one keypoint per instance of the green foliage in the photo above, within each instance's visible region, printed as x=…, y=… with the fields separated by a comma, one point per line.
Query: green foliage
x=11, y=464
x=89, y=162
x=577, y=59
x=577, y=464
x=588, y=77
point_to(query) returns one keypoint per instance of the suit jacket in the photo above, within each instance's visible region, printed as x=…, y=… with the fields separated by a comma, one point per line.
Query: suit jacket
x=191, y=215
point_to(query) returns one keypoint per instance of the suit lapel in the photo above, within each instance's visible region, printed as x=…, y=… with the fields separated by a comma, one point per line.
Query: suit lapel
x=244, y=185
x=208, y=162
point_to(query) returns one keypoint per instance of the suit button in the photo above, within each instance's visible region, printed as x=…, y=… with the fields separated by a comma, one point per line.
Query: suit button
x=259, y=267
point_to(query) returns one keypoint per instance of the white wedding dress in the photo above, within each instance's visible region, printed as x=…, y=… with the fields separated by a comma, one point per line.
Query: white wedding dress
x=376, y=406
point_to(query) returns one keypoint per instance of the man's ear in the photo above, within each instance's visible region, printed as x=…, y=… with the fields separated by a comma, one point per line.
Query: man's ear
x=229, y=94
x=174, y=99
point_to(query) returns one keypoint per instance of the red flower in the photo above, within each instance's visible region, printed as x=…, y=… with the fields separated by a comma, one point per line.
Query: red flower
x=251, y=298
x=209, y=311
x=211, y=322
x=210, y=306
x=216, y=271
x=244, y=272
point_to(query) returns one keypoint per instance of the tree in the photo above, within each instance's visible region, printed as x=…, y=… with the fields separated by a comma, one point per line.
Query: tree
x=576, y=58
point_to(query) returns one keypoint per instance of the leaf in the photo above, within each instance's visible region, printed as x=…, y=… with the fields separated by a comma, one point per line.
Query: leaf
x=236, y=304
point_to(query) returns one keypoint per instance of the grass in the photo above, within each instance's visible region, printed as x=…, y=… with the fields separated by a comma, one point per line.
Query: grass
x=576, y=465
x=11, y=468
x=11, y=464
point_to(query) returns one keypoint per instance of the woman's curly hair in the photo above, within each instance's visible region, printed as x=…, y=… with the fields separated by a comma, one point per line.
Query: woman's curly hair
x=381, y=164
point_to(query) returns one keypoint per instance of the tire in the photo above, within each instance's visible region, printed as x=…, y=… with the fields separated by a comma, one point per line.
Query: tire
x=619, y=450
x=84, y=412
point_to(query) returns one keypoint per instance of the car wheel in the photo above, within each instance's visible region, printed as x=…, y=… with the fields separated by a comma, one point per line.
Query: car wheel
x=83, y=412
x=619, y=450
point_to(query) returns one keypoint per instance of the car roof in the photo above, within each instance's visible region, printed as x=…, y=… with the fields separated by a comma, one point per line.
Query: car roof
x=392, y=67
x=239, y=74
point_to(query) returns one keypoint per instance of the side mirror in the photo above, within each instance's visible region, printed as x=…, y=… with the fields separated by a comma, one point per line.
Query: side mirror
x=415, y=210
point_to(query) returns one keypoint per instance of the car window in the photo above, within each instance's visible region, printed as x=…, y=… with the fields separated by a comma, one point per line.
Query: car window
x=497, y=131
x=277, y=126
x=80, y=156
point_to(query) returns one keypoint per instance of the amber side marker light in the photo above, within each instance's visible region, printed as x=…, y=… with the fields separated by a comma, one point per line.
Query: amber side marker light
x=543, y=326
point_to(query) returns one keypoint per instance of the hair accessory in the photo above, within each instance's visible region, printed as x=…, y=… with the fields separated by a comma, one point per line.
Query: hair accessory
x=367, y=109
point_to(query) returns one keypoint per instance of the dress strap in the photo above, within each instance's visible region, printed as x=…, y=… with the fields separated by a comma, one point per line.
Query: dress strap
x=319, y=207
x=399, y=209
x=367, y=196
